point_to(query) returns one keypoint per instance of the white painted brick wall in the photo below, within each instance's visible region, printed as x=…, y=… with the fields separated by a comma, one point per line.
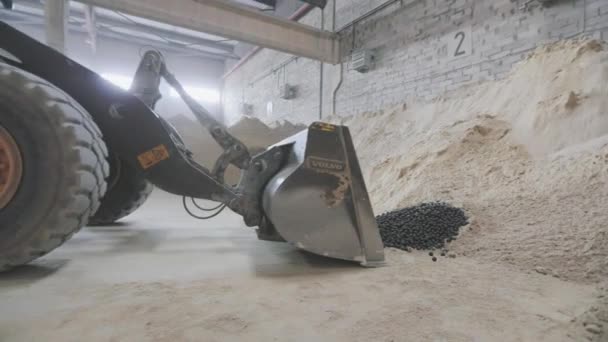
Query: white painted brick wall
x=410, y=39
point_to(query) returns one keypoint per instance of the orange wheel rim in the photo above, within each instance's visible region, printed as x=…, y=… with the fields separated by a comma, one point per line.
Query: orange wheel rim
x=11, y=168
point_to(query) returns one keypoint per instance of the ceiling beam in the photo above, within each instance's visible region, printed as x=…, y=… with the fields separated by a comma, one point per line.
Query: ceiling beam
x=173, y=36
x=21, y=18
x=233, y=21
x=114, y=22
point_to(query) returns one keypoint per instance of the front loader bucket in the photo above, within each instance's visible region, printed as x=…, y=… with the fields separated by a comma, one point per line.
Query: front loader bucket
x=318, y=200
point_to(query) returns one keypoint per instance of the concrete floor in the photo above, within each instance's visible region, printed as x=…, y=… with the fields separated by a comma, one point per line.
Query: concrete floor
x=162, y=242
x=163, y=276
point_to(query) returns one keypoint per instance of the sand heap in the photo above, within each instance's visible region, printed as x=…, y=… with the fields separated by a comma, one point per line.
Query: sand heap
x=252, y=132
x=526, y=157
x=593, y=323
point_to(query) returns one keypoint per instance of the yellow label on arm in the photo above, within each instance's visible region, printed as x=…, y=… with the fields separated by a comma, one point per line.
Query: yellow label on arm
x=153, y=156
x=322, y=126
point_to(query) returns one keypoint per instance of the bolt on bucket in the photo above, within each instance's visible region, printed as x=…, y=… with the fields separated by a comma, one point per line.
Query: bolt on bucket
x=318, y=200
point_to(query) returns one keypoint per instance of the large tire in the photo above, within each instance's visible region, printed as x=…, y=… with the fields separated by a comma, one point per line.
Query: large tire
x=128, y=190
x=64, y=167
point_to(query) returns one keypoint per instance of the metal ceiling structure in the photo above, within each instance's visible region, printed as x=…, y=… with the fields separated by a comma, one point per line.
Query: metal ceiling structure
x=233, y=21
x=209, y=28
x=120, y=26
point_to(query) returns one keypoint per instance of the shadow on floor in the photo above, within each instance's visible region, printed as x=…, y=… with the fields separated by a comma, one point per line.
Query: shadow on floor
x=113, y=240
x=117, y=239
x=116, y=226
x=31, y=273
x=295, y=262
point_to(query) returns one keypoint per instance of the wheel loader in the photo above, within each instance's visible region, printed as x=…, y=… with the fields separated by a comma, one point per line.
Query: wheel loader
x=76, y=150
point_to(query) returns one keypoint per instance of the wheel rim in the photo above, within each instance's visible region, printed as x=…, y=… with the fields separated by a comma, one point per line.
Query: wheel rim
x=11, y=167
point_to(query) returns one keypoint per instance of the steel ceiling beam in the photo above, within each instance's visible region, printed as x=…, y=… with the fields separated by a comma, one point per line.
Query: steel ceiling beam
x=32, y=19
x=173, y=36
x=113, y=22
x=233, y=21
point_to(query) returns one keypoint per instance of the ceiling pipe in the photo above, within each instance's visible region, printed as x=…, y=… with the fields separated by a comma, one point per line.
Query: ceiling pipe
x=334, y=97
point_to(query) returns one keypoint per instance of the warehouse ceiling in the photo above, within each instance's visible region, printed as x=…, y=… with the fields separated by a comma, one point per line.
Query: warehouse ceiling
x=117, y=25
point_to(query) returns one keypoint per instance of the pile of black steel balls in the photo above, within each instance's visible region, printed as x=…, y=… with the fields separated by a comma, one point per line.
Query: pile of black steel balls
x=427, y=226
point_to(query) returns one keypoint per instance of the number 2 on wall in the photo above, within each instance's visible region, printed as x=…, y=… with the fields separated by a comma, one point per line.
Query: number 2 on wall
x=458, y=51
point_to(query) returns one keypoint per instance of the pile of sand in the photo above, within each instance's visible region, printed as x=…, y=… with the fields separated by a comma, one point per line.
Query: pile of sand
x=593, y=323
x=526, y=157
x=252, y=132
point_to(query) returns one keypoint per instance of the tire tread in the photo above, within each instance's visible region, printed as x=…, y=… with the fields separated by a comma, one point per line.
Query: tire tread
x=86, y=157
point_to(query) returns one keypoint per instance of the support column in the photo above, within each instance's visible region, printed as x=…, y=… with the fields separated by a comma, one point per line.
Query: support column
x=56, y=14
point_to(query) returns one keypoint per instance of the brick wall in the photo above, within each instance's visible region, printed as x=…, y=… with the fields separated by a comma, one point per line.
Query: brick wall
x=423, y=48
